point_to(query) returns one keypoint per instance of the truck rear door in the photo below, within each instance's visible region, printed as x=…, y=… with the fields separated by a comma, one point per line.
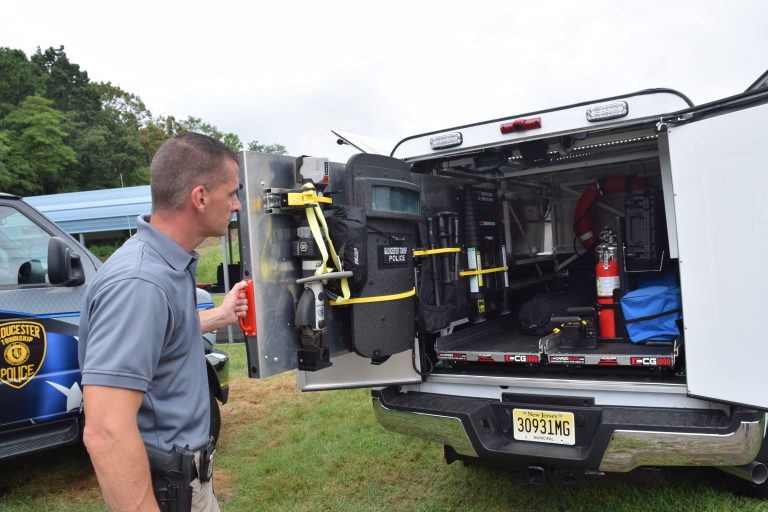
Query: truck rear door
x=719, y=196
x=267, y=239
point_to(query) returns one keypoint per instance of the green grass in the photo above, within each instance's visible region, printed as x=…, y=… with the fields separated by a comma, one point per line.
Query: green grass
x=286, y=451
x=210, y=259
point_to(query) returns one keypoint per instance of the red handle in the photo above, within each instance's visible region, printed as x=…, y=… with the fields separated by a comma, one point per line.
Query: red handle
x=248, y=322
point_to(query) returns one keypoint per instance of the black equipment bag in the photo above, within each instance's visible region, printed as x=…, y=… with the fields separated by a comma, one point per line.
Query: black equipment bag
x=347, y=229
x=453, y=302
x=535, y=314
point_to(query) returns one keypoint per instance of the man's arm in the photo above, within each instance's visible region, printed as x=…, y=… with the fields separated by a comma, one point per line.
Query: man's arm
x=234, y=306
x=116, y=448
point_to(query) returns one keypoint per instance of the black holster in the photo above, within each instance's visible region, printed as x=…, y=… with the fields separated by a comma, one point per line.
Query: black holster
x=172, y=472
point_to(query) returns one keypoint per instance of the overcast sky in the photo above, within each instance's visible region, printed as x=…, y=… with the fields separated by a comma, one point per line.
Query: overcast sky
x=289, y=72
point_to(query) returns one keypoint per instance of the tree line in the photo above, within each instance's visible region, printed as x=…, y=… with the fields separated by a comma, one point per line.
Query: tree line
x=61, y=132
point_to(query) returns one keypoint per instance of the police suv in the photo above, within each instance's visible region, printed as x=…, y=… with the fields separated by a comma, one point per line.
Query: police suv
x=43, y=276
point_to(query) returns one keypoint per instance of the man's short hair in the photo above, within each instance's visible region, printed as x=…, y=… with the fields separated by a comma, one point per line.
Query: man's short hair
x=184, y=162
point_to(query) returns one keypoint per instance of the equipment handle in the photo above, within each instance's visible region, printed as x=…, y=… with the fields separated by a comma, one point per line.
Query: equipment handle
x=325, y=277
x=564, y=319
x=248, y=322
x=581, y=310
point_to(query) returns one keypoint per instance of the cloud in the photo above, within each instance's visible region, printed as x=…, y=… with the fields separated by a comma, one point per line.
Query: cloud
x=290, y=72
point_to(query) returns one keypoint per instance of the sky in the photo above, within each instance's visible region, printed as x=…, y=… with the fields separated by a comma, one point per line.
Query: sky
x=288, y=72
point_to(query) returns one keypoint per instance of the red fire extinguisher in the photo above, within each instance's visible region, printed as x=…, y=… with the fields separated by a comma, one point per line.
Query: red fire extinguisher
x=607, y=273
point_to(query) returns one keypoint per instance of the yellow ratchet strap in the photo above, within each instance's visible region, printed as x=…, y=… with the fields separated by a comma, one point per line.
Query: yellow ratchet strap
x=378, y=298
x=319, y=230
x=484, y=271
x=306, y=198
x=427, y=252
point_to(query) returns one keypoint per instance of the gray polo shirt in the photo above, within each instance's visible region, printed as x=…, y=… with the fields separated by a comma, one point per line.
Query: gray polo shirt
x=140, y=329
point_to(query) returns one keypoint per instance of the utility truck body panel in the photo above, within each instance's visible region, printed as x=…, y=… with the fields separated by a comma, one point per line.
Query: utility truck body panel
x=566, y=282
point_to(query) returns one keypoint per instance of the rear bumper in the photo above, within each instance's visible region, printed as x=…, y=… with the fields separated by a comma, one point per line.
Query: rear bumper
x=609, y=439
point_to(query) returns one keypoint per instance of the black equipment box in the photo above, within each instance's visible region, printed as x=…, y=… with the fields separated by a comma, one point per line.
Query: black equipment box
x=642, y=231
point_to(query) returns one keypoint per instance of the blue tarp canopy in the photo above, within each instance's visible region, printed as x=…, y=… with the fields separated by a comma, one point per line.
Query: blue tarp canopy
x=95, y=211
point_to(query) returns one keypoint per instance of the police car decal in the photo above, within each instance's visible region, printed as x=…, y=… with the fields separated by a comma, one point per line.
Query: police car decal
x=23, y=345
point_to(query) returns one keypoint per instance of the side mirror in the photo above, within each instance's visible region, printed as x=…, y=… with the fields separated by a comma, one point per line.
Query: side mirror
x=64, y=266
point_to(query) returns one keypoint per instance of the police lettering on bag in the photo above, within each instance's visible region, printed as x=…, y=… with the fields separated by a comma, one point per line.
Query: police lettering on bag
x=393, y=256
x=23, y=347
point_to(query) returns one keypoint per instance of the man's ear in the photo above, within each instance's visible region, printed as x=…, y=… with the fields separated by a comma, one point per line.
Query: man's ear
x=199, y=197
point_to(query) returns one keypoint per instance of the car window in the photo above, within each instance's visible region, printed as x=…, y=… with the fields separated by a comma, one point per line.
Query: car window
x=23, y=249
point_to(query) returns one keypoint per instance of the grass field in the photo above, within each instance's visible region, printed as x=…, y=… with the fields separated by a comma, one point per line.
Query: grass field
x=210, y=259
x=286, y=451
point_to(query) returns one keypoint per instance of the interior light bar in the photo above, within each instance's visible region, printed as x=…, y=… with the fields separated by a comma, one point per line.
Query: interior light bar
x=446, y=140
x=607, y=111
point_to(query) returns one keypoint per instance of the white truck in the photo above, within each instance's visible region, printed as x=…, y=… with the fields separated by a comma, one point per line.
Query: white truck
x=564, y=291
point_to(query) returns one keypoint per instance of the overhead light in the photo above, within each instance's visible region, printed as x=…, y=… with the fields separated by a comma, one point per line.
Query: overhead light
x=446, y=140
x=521, y=125
x=607, y=111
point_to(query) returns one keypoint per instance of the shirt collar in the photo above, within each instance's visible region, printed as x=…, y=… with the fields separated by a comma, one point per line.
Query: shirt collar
x=167, y=248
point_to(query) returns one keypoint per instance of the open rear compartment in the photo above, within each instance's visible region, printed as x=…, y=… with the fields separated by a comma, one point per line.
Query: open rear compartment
x=551, y=257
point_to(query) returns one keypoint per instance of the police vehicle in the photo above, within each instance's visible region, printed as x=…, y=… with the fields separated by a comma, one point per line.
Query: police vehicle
x=43, y=276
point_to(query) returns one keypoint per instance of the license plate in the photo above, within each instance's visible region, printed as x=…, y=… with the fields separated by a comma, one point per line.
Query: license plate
x=544, y=426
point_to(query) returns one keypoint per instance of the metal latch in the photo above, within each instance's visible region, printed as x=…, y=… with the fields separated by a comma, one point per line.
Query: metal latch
x=276, y=201
x=279, y=200
x=664, y=124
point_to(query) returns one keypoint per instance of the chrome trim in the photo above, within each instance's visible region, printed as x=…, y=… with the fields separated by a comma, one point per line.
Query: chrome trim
x=438, y=429
x=629, y=449
x=586, y=384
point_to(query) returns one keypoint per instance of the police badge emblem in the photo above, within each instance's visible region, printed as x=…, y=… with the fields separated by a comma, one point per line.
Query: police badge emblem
x=23, y=346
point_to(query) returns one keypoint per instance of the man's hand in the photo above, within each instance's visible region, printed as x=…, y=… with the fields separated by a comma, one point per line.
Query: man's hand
x=234, y=306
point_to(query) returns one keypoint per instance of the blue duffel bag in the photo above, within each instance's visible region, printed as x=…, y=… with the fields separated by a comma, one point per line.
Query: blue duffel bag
x=651, y=313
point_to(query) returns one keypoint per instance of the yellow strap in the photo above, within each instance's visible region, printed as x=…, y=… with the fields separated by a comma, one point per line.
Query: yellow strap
x=307, y=197
x=317, y=234
x=485, y=271
x=427, y=252
x=316, y=220
x=378, y=298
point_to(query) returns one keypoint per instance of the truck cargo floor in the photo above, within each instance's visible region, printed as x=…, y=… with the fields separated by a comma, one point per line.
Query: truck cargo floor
x=498, y=341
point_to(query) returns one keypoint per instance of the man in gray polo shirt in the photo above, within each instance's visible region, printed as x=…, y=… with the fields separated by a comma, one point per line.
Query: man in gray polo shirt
x=141, y=353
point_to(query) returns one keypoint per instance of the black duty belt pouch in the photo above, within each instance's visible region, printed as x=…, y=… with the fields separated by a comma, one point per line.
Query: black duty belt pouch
x=172, y=472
